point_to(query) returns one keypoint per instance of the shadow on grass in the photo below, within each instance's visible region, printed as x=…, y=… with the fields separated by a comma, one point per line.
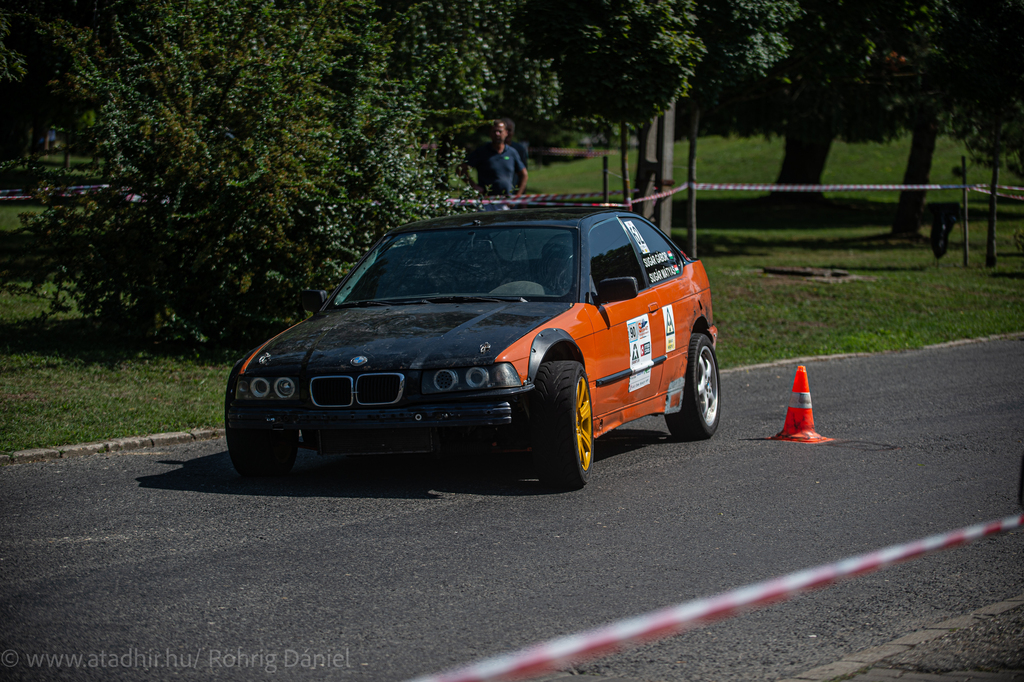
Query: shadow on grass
x=760, y=214
x=388, y=477
x=721, y=243
x=83, y=342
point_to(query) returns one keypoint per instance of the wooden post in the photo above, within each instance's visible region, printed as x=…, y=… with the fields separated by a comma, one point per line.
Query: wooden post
x=624, y=146
x=654, y=168
x=963, y=176
x=691, y=179
x=604, y=176
x=990, y=247
x=666, y=147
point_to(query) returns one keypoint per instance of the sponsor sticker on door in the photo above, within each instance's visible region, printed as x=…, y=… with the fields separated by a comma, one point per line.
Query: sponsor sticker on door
x=670, y=329
x=641, y=353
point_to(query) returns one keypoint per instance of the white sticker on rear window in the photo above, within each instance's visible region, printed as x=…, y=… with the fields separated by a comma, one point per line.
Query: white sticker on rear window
x=631, y=230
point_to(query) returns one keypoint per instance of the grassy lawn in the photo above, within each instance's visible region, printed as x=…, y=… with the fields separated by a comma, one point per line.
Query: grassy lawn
x=62, y=381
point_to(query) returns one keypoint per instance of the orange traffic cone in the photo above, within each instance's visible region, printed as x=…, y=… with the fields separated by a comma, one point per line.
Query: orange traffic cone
x=799, y=424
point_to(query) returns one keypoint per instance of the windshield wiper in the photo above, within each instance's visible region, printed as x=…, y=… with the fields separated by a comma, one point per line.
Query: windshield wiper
x=474, y=299
x=361, y=304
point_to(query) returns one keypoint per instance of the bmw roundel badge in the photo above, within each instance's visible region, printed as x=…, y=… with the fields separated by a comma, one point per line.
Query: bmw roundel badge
x=359, y=360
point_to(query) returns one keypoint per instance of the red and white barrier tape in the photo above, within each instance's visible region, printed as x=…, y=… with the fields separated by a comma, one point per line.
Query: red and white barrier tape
x=607, y=639
x=984, y=190
x=569, y=152
x=823, y=188
x=524, y=203
x=537, y=199
x=75, y=190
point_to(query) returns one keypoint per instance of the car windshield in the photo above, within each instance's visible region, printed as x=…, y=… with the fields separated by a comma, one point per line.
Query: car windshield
x=468, y=264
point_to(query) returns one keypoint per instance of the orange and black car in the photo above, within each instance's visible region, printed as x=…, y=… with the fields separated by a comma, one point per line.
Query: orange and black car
x=533, y=330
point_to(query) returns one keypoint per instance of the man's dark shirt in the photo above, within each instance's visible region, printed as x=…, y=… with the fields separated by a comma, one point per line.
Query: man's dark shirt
x=496, y=172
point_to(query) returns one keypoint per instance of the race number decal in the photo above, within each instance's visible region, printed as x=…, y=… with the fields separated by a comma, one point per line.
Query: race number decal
x=670, y=329
x=631, y=230
x=641, y=354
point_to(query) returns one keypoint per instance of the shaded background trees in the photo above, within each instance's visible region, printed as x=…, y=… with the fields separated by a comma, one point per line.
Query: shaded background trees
x=620, y=63
x=264, y=150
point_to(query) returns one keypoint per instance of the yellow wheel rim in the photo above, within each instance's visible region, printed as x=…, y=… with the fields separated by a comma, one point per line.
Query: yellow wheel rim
x=584, y=425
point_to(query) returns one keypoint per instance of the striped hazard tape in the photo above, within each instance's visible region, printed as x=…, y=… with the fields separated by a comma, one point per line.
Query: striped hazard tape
x=985, y=190
x=551, y=655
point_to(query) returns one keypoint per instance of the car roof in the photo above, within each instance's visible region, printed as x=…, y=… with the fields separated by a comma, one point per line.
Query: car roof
x=529, y=217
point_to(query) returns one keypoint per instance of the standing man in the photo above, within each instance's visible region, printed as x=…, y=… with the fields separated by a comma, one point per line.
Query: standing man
x=510, y=126
x=499, y=168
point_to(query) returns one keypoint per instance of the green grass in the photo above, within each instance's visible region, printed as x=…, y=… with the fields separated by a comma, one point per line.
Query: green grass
x=62, y=381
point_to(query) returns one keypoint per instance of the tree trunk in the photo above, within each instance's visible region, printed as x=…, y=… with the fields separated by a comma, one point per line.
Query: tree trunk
x=919, y=166
x=803, y=165
x=990, y=250
x=691, y=179
x=624, y=147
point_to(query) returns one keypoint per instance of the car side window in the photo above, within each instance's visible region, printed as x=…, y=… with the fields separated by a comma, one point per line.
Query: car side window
x=661, y=260
x=612, y=254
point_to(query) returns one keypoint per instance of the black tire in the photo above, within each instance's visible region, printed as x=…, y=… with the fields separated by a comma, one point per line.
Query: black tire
x=561, y=425
x=258, y=452
x=701, y=409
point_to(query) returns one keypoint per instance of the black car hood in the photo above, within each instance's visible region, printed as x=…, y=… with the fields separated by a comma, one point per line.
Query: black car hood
x=401, y=337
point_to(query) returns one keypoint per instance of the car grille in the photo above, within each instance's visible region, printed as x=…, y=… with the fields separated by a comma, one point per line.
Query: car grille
x=379, y=389
x=370, y=389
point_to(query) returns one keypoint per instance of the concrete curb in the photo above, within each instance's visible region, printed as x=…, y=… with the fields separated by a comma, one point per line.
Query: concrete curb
x=849, y=666
x=155, y=440
x=175, y=437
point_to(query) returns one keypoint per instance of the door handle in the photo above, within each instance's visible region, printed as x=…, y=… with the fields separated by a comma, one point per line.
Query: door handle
x=653, y=308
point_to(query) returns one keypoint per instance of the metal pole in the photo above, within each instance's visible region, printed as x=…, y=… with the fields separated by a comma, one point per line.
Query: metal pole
x=963, y=176
x=605, y=176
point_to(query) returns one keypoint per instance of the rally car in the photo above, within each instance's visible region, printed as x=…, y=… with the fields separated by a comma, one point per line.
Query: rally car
x=532, y=331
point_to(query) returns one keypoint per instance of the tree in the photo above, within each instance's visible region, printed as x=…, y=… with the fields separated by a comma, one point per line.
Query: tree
x=470, y=59
x=31, y=105
x=745, y=41
x=838, y=81
x=618, y=61
x=982, y=61
x=12, y=64
x=261, y=150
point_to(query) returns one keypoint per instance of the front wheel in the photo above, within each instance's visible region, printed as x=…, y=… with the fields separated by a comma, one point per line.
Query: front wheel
x=261, y=452
x=561, y=425
x=698, y=418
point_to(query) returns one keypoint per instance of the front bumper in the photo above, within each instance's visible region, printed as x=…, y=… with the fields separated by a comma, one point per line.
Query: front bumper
x=450, y=414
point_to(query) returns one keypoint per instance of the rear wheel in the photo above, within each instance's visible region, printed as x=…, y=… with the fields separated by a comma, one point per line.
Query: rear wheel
x=259, y=452
x=561, y=425
x=698, y=418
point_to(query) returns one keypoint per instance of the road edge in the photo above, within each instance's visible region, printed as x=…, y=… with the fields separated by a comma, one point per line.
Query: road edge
x=154, y=440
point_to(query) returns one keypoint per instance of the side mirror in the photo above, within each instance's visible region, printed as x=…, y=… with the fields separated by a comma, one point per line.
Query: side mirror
x=313, y=299
x=616, y=289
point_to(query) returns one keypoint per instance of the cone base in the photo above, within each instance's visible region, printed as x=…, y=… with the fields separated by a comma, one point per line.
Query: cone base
x=809, y=436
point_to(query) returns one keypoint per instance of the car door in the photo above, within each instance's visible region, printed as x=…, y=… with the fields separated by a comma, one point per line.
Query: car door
x=625, y=369
x=667, y=274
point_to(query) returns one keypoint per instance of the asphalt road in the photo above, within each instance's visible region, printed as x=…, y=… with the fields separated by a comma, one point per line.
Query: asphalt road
x=165, y=563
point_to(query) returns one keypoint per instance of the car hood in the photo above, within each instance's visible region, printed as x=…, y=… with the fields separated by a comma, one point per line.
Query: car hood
x=401, y=337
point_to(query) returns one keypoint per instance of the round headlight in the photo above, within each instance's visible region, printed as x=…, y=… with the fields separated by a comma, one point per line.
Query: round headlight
x=284, y=388
x=260, y=387
x=445, y=380
x=477, y=377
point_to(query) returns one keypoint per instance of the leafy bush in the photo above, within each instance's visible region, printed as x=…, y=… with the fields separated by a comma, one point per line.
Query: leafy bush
x=252, y=149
